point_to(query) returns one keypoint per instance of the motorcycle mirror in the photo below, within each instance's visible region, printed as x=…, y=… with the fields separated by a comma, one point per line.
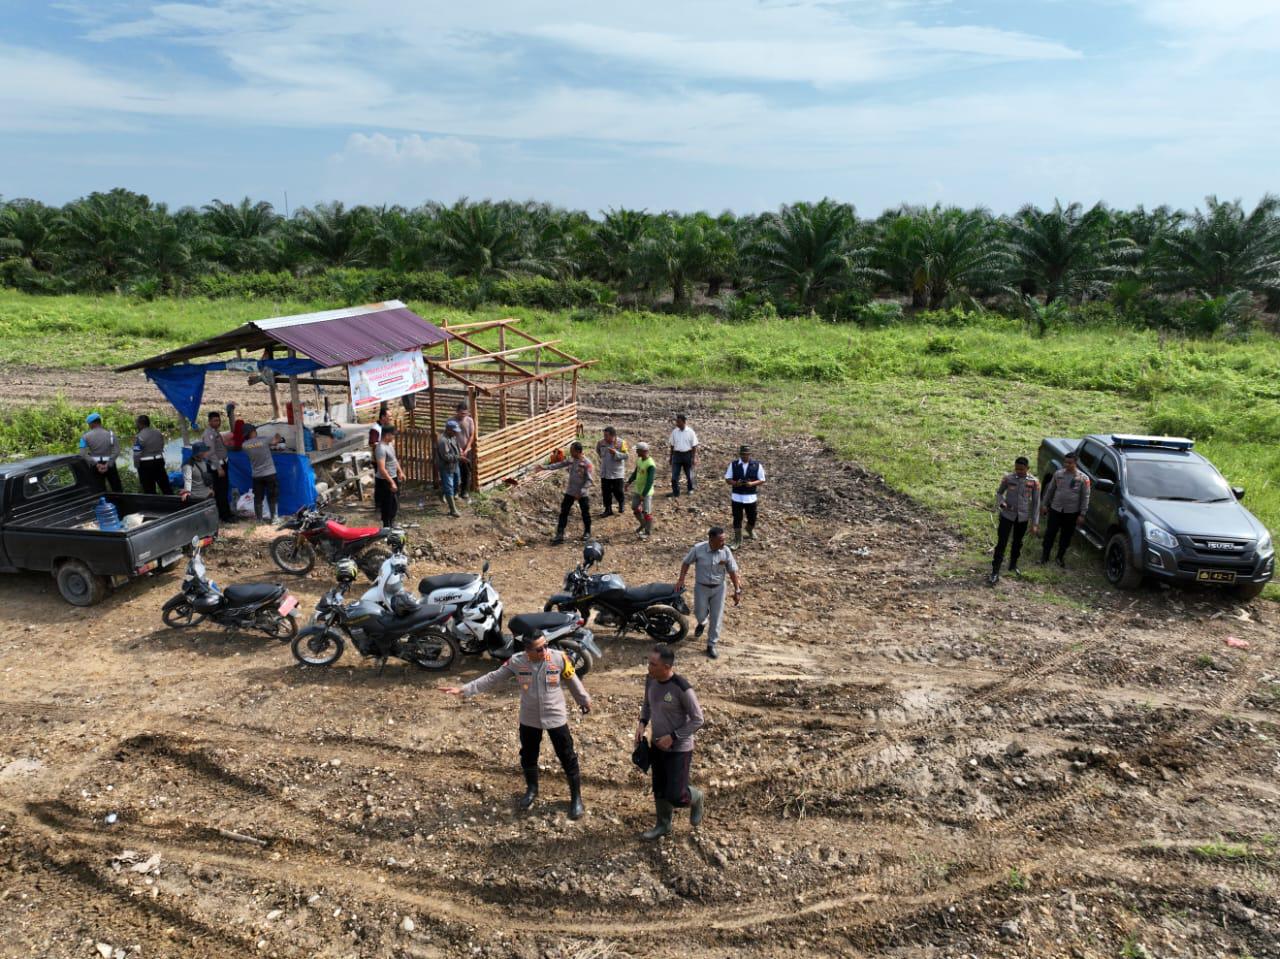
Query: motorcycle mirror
x=195, y=542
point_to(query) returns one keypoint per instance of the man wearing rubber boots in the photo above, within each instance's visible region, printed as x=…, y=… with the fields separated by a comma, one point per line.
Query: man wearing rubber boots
x=1018, y=503
x=672, y=707
x=541, y=673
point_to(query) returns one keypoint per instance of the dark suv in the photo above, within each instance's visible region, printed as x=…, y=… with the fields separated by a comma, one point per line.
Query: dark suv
x=1160, y=509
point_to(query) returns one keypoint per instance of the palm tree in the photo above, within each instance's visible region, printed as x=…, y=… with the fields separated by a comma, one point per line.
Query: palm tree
x=28, y=232
x=103, y=238
x=330, y=235
x=672, y=255
x=944, y=256
x=175, y=247
x=808, y=251
x=1064, y=251
x=485, y=241
x=610, y=254
x=243, y=233
x=1223, y=249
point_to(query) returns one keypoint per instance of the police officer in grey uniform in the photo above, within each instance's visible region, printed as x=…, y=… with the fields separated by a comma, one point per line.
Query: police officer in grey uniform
x=101, y=448
x=542, y=674
x=212, y=438
x=711, y=561
x=1018, y=503
x=262, y=465
x=1066, y=500
x=148, y=458
x=672, y=707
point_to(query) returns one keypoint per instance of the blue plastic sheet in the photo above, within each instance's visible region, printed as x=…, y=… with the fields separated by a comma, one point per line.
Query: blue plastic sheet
x=183, y=386
x=293, y=472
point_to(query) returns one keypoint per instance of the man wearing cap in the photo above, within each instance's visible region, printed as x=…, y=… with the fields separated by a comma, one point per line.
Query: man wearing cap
x=612, y=453
x=1018, y=503
x=148, y=458
x=448, y=455
x=212, y=438
x=744, y=477
x=262, y=465
x=684, y=454
x=577, y=489
x=670, y=704
x=542, y=674
x=386, y=480
x=1066, y=500
x=466, y=448
x=101, y=448
x=197, y=474
x=643, y=476
x=712, y=561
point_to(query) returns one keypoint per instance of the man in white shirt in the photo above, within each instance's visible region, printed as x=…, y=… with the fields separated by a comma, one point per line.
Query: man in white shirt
x=684, y=454
x=744, y=477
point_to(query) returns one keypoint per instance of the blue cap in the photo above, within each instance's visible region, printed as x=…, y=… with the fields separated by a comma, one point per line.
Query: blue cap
x=198, y=448
x=93, y=418
x=452, y=425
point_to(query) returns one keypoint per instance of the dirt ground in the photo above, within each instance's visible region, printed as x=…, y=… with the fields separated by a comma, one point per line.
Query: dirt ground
x=898, y=760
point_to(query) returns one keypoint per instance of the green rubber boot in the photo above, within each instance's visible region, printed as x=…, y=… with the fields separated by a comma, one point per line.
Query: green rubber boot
x=453, y=506
x=664, y=811
x=696, y=809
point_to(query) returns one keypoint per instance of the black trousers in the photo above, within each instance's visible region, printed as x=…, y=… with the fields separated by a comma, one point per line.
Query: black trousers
x=613, y=489
x=222, y=495
x=266, y=488
x=153, y=475
x=681, y=463
x=1061, y=526
x=464, y=477
x=561, y=742
x=1009, y=534
x=109, y=480
x=670, y=771
x=566, y=505
x=744, y=509
x=387, y=500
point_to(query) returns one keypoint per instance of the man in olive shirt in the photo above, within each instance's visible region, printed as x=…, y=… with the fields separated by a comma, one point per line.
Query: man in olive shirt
x=643, y=476
x=712, y=561
x=1066, y=500
x=672, y=707
x=148, y=458
x=263, y=468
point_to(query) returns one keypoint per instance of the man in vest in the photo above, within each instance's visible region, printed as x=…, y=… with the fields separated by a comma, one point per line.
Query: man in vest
x=101, y=448
x=543, y=675
x=744, y=477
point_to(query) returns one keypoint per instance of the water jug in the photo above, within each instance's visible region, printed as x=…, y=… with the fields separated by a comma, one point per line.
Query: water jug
x=107, y=515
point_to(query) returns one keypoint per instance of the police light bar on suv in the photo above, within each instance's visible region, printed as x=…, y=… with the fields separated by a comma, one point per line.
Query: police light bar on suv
x=1152, y=442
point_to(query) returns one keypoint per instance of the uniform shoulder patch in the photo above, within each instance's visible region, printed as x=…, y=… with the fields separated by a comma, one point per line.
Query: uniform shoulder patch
x=681, y=682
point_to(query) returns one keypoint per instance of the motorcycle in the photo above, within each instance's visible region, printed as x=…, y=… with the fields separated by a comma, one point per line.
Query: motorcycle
x=267, y=607
x=319, y=534
x=656, y=609
x=412, y=631
x=564, y=631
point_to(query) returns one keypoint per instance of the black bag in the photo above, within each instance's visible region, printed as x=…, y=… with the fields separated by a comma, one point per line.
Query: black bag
x=640, y=756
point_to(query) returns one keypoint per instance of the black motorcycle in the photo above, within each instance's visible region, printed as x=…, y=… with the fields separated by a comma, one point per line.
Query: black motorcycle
x=313, y=533
x=267, y=607
x=657, y=609
x=410, y=630
x=563, y=631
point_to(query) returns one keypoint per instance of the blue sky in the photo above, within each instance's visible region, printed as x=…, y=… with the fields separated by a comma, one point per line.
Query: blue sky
x=666, y=104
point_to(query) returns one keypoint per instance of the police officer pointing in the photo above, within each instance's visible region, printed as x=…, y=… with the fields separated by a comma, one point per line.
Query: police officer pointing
x=1018, y=502
x=541, y=673
x=1066, y=500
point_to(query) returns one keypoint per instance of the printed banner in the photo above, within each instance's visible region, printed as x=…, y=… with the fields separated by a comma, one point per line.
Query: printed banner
x=387, y=377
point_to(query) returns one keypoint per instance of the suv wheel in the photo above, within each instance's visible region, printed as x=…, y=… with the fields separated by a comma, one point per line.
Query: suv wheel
x=1247, y=591
x=1118, y=563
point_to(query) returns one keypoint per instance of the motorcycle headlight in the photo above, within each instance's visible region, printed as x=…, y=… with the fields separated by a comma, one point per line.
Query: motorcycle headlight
x=1264, y=544
x=1159, y=535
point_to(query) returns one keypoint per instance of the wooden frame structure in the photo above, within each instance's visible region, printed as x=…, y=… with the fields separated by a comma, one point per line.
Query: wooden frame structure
x=522, y=393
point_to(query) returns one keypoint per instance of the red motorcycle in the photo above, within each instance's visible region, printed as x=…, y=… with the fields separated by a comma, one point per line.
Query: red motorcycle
x=314, y=533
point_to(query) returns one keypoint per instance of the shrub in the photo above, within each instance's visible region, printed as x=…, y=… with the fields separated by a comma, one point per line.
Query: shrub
x=880, y=313
x=1180, y=416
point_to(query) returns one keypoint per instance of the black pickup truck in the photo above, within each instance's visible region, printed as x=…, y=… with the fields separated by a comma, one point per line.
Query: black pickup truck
x=47, y=524
x=1160, y=509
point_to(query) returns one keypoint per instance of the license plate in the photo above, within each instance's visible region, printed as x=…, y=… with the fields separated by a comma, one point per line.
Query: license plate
x=1216, y=576
x=170, y=558
x=290, y=603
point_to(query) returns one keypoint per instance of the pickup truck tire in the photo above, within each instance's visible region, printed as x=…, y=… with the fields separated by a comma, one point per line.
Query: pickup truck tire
x=1118, y=565
x=79, y=585
x=1248, y=591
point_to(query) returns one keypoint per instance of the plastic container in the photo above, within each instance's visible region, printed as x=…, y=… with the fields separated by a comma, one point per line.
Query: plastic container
x=107, y=515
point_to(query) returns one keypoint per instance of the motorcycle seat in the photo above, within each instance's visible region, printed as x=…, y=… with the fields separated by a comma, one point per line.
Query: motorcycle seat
x=526, y=624
x=650, y=592
x=349, y=533
x=446, y=581
x=246, y=593
x=424, y=615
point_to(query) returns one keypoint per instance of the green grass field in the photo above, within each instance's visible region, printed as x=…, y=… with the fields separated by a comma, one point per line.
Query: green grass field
x=940, y=410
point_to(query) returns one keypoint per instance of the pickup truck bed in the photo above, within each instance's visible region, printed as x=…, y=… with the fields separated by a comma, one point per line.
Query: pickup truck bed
x=48, y=524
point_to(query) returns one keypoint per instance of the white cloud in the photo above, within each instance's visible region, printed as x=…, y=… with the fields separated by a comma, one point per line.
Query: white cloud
x=411, y=150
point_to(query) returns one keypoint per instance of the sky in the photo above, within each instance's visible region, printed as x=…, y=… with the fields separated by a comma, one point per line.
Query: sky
x=717, y=105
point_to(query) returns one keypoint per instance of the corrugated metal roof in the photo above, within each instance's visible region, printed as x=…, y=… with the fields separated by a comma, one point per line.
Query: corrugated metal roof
x=331, y=337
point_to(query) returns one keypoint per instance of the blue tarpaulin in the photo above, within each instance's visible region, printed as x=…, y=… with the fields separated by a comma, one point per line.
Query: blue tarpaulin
x=293, y=472
x=183, y=386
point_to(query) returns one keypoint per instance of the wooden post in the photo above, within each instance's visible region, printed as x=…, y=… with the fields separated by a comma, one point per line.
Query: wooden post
x=186, y=432
x=475, y=437
x=431, y=430
x=502, y=376
x=299, y=434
